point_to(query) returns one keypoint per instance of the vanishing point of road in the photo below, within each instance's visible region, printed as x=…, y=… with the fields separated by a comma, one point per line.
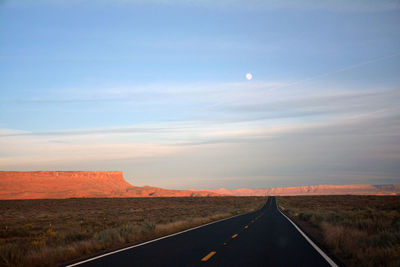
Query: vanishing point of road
x=265, y=237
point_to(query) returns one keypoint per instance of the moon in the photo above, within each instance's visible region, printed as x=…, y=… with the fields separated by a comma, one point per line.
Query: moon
x=249, y=76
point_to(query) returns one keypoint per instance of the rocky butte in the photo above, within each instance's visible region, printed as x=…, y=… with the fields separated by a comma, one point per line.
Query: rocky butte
x=79, y=184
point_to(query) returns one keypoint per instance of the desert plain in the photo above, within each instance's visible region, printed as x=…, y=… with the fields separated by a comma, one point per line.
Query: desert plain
x=44, y=232
x=53, y=218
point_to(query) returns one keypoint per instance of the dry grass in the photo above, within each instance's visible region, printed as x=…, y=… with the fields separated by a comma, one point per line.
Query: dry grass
x=358, y=230
x=50, y=232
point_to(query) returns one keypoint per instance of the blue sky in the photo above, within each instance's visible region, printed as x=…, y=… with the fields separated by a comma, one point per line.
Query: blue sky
x=157, y=89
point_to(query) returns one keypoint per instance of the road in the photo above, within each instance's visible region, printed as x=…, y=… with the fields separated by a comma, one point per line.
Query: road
x=261, y=238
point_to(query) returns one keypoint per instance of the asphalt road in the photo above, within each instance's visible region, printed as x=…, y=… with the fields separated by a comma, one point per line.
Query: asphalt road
x=261, y=238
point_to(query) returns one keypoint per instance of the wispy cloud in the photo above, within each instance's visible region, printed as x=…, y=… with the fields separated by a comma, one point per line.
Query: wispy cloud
x=129, y=130
x=233, y=104
x=385, y=122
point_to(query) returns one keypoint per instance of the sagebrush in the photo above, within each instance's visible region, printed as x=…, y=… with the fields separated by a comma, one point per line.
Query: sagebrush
x=358, y=230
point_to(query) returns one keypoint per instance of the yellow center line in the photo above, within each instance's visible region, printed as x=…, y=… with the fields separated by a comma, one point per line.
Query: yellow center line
x=246, y=227
x=209, y=255
x=235, y=235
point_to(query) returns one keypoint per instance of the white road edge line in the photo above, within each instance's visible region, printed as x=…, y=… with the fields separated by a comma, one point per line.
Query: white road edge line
x=326, y=257
x=151, y=241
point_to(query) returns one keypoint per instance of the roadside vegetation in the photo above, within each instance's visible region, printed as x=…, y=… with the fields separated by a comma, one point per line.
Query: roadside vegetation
x=52, y=232
x=357, y=230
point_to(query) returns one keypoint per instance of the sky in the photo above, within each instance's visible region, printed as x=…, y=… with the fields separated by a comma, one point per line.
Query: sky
x=158, y=90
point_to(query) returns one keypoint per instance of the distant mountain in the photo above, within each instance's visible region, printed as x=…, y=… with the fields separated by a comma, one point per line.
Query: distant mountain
x=79, y=184
x=354, y=189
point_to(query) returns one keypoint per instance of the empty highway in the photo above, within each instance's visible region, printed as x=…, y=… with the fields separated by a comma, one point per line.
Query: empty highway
x=261, y=238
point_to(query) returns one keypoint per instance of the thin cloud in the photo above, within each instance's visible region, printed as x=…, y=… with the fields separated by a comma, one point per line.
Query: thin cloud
x=144, y=93
x=259, y=108
x=127, y=130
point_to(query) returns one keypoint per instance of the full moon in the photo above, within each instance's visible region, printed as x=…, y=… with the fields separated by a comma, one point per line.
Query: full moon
x=249, y=76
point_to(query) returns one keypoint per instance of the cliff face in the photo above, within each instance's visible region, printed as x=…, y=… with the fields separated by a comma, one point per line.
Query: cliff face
x=355, y=189
x=79, y=184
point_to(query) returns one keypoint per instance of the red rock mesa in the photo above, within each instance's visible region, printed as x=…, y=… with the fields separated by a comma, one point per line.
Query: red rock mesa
x=79, y=184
